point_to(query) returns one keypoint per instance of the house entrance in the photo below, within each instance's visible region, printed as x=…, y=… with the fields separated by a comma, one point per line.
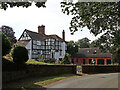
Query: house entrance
x=100, y=61
x=108, y=61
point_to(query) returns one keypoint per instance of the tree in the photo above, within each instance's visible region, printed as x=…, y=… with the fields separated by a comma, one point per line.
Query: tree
x=93, y=44
x=65, y=60
x=6, y=46
x=20, y=55
x=8, y=31
x=72, y=48
x=38, y=3
x=116, y=55
x=83, y=43
x=99, y=17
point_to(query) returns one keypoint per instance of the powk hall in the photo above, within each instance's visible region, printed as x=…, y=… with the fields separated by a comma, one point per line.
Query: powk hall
x=39, y=44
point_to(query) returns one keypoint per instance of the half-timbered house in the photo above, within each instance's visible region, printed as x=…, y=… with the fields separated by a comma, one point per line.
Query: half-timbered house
x=40, y=44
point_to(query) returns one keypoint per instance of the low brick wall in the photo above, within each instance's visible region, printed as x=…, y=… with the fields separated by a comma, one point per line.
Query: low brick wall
x=100, y=68
x=37, y=71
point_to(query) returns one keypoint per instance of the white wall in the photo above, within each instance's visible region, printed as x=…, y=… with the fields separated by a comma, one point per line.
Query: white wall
x=57, y=55
x=63, y=49
x=29, y=47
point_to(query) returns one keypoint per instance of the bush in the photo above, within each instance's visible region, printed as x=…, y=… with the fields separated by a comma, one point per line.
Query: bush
x=6, y=45
x=116, y=55
x=20, y=55
x=49, y=60
x=65, y=60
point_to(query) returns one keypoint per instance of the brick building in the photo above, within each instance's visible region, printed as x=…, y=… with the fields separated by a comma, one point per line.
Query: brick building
x=91, y=56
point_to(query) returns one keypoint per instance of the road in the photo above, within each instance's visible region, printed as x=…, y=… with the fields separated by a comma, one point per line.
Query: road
x=92, y=81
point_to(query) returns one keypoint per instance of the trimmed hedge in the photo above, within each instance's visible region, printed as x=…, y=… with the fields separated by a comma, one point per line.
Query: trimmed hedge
x=20, y=55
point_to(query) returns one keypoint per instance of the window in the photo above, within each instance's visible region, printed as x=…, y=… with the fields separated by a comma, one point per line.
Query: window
x=48, y=43
x=34, y=42
x=38, y=47
x=38, y=43
x=34, y=46
x=77, y=60
x=72, y=60
x=83, y=61
x=108, y=61
x=60, y=53
x=95, y=52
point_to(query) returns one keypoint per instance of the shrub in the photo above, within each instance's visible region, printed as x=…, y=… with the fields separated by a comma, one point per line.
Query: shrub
x=49, y=60
x=20, y=55
x=41, y=58
x=116, y=55
x=52, y=60
x=6, y=45
x=65, y=60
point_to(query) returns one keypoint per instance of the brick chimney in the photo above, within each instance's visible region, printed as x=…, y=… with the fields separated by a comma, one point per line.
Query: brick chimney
x=41, y=29
x=63, y=35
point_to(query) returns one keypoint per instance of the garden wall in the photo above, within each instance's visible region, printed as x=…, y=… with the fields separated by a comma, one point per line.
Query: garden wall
x=100, y=68
x=36, y=71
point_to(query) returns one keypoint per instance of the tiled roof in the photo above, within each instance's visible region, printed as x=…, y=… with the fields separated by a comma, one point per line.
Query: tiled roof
x=88, y=50
x=56, y=37
x=100, y=55
x=22, y=42
x=38, y=36
x=34, y=35
x=91, y=53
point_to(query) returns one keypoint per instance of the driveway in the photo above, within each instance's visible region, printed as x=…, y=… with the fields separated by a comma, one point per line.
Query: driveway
x=109, y=80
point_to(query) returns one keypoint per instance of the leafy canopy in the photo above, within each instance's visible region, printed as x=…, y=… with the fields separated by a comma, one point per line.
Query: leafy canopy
x=8, y=31
x=72, y=48
x=6, y=45
x=99, y=17
x=83, y=43
x=27, y=3
x=66, y=60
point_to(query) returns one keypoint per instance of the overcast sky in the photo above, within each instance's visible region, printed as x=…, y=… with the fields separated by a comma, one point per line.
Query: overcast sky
x=51, y=16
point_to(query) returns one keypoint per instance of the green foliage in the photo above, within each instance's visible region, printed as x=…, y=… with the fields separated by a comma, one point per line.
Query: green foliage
x=83, y=43
x=99, y=17
x=93, y=44
x=116, y=55
x=41, y=58
x=5, y=5
x=8, y=31
x=65, y=60
x=72, y=48
x=6, y=45
x=20, y=55
x=49, y=60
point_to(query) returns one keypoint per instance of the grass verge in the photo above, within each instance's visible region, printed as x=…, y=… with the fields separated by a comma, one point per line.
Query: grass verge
x=37, y=82
x=36, y=62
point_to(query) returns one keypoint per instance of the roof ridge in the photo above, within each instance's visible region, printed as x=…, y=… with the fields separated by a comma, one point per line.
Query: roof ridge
x=31, y=31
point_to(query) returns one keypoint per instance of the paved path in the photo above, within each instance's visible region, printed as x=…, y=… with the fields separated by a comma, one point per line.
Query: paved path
x=93, y=81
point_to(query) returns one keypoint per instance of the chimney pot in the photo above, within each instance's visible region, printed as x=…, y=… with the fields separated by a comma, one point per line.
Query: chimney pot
x=41, y=29
x=63, y=35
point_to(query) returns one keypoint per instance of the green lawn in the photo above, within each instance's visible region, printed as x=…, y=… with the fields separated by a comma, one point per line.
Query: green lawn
x=36, y=62
x=30, y=61
x=37, y=82
x=78, y=66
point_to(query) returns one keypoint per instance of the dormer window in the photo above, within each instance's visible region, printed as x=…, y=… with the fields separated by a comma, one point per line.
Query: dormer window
x=88, y=51
x=95, y=52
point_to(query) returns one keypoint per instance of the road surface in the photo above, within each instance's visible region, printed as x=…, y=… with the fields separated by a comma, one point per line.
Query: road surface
x=92, y=81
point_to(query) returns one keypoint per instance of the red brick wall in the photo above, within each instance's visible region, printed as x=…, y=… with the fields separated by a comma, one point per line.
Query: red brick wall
x=80, y=60
x=100, y=68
